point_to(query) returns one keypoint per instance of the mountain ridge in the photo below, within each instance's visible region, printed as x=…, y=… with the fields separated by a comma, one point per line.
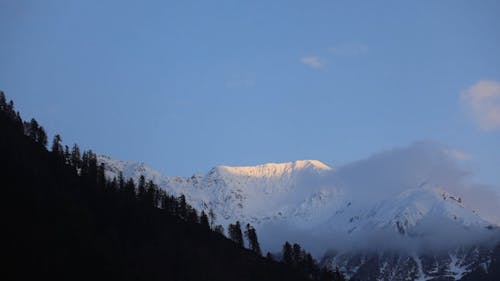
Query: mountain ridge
x=304, y=201
x=306, y=183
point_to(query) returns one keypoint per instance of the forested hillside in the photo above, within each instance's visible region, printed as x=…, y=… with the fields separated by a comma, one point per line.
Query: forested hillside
x=64, y=220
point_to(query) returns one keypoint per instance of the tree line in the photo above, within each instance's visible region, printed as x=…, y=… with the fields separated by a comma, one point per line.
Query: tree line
x=126, y=225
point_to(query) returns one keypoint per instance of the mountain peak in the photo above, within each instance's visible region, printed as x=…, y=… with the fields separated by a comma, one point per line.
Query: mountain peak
x=274, y=169
x=312, y=163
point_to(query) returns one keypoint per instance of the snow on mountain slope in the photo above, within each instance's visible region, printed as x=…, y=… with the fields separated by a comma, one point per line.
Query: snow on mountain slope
x=412, y=207
x=254, y=194
x=446, y=265
x=419, y=232
x=283, y=199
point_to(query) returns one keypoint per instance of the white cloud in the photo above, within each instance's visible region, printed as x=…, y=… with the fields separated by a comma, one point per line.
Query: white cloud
x=348, y=50
x=483, y=103
x=383, y=176
x=457, y=154
x=313, y=61
x=390, y=172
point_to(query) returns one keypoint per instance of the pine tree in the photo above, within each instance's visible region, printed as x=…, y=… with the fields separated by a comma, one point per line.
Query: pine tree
x=76, y=160
x=169, y=203
x=219, y=229
x=84, y=171
x=253, y=242
x=151, y=194
x=56, y=145
x=287, y=253
x=141, y=188
x=129, y=190
x=297, y=254
x=67, y=154
x=182, y=207
x=309, y=264
x=92, y=167
x=326, y=275
x=41, y=136
x=234, y=231
x=10, y=112
x=212, y=217
x=121, y=181
x=36, y=132
x=101, y=176
x=3, y=101
x=9, y=109
x=192, y=215
x=113, y=185
x=163, y=201
x=204, y=220
x=31, y=129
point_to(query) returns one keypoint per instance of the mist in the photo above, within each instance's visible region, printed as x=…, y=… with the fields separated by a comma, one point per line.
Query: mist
x=383, y=176
x=388, y=173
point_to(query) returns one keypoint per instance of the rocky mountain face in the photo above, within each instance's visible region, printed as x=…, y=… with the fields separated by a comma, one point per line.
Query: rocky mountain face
x=420, y=233
x=436, y=266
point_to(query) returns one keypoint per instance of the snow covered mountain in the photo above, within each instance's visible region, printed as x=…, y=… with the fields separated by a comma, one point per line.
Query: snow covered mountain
x=307, y=202
x=250, y=194
x=452, y=264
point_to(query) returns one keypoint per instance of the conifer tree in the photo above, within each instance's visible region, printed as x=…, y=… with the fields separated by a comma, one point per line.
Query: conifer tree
x=219, y=229
x=151, y=194
x=121, y=181
x=234, y=231
x=169, y=203
x=36, y=132
x=9, y=109
x=3, y=101
x=182, y=207
x=113, y=185
x=56, y=145
x=287, y=253
x=212, y=217
x=204, y=220
x=326, y=275
x=41, y=137
x=309, y=264
x=192, y=215
x=67, y=154
x=31, y=129
x=101, y=176
x=141, y=188
x=253, y=242
x=92, y=167
x=76, y=160
x=297, y=254
x=163, y=199
x=85, y=164
x=129, y=190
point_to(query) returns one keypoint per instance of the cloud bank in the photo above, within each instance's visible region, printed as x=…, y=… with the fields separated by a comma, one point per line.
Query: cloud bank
x=313, y=62
x=390, y=172
x=482, y=101
x=384, y=176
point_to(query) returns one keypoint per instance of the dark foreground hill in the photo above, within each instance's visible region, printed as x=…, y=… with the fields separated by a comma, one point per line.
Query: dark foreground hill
x=65, y=221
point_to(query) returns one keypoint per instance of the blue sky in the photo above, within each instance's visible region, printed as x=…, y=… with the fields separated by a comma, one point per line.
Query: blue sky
x=184, y=85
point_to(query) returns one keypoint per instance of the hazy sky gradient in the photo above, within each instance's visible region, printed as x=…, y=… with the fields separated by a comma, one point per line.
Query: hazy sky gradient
x=185, y=85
